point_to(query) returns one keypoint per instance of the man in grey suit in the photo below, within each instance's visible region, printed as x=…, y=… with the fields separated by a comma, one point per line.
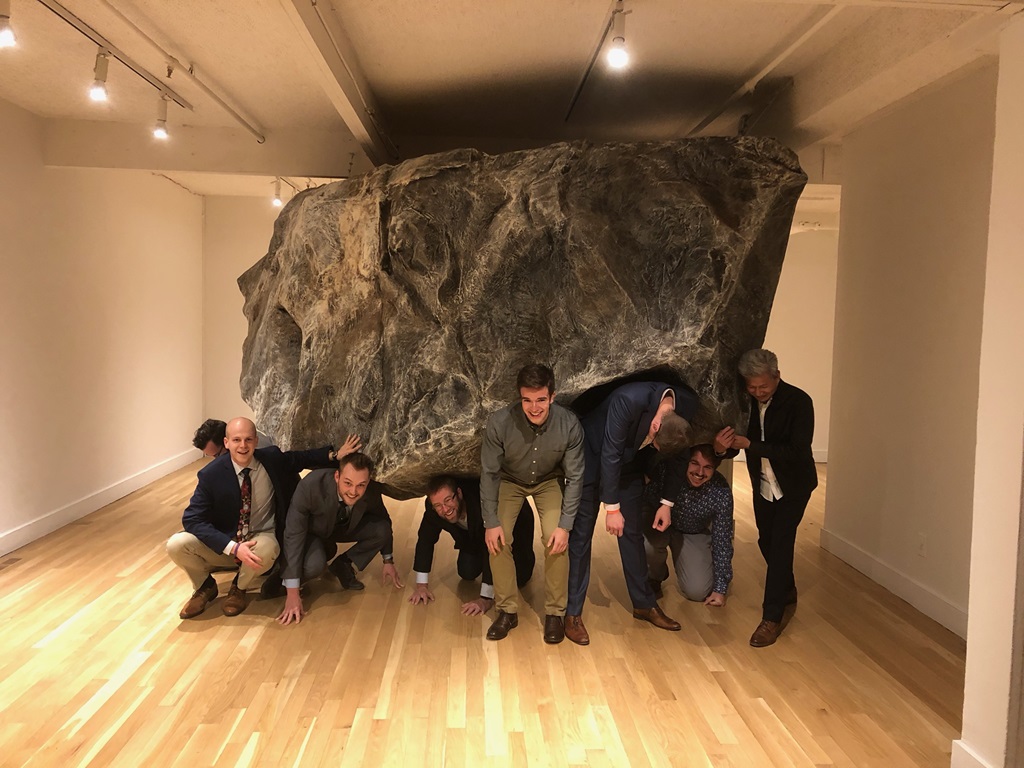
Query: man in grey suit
x=331, y=506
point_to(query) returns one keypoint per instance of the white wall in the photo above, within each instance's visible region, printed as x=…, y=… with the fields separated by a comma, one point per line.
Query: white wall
x=100, y=317
x=996, y=544
x=912, y=251
x=236, y=235
x=801, y=325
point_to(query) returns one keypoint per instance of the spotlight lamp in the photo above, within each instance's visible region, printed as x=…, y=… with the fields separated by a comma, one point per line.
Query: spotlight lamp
x=160, y=129
x=7, y=39
x=618, y=58
x=98, y=91
x=277, y=193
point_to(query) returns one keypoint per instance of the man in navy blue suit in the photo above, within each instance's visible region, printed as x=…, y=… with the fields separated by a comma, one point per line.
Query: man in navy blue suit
x=620, y=437
x=233, y=518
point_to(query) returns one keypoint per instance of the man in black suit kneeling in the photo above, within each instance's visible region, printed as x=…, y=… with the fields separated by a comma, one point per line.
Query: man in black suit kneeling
x=453, y=505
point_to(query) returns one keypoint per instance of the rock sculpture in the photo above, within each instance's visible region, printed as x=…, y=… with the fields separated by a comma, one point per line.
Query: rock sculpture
x=400, y=304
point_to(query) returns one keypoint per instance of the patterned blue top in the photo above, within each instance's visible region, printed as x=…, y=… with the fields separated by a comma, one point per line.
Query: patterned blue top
x=698, y=509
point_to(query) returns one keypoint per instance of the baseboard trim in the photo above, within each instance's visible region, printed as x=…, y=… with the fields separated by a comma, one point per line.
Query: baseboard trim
x=965, y=757
x=28, y=532
x=820, y=456
x=951, y=616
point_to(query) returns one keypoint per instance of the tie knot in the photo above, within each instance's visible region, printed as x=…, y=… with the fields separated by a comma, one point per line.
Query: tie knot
x=245, y=472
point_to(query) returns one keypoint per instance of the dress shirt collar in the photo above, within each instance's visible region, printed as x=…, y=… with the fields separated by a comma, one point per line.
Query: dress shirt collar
x=254, y=465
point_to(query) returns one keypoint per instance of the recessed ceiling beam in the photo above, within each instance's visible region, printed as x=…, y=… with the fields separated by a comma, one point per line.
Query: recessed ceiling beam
x=340, y=76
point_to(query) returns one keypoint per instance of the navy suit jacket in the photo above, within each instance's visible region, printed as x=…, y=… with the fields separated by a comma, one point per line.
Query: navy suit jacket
x=212, y=513
x=615, y=429
x=788, y=431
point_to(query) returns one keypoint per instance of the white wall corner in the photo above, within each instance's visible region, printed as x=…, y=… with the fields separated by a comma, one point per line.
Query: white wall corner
x=965, y=757
x=18, y=537
x=820, y=456
x=932, y=605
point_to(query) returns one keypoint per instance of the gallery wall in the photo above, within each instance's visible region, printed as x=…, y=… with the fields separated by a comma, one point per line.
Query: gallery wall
x=800, y=327
x=100, y=333
x=910, y=284
x=236, y=235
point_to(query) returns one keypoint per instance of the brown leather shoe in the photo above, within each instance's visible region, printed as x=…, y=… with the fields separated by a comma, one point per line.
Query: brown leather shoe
x=201, y=598
x=554, y=629
x=657, y=617
x=767, y=633
x=576, y=631
x=235, y=602
x=502, y=625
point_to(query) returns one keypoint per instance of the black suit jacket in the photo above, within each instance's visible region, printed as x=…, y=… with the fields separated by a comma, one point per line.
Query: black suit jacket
x=788, y=432
x=314, y=512
x=472, y=539
x=212, y=513
x=615, y=429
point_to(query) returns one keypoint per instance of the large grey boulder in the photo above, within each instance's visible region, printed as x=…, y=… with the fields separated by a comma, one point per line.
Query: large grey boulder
x=401, y=304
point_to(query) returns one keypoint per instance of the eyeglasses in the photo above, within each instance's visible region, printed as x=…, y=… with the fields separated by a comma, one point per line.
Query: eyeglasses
x=444, y=504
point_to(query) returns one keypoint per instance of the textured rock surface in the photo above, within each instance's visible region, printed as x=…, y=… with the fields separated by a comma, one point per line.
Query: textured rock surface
x=401, y=304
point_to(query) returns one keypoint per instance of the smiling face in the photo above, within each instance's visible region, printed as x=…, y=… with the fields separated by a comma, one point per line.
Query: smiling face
x=352, y=483
x=447, y=503
x=240, y=440
x=699, y=470
x=536, y=403
x=762, y=387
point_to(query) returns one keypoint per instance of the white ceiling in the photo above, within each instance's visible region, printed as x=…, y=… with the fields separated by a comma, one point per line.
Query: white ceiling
x=335, y=87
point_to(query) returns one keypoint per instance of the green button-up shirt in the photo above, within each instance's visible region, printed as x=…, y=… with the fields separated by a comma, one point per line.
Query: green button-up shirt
x=516, y=450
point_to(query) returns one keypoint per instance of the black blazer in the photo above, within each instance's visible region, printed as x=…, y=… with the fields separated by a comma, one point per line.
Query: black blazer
x=788, y=431
x=212, y=513
x=472, y=539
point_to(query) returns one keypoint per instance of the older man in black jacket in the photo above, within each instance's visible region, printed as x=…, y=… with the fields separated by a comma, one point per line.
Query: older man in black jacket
x=782, y=477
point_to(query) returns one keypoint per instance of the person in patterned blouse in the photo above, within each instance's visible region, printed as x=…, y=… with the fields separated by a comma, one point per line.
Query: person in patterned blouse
x=698, y=528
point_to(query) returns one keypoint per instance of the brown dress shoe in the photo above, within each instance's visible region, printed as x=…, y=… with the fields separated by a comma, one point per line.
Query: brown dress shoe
x=657, y=617
x=502, y=625
x=235, y=602
x=767, y=633
x=554, y=629
x=201, y=598
x=576, y=631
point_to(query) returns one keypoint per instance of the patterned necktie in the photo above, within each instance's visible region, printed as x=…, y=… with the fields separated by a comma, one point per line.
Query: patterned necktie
x=243, y=516
x=343, y=515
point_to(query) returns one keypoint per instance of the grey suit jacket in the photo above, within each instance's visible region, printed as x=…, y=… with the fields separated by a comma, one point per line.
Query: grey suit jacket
x=314, y=512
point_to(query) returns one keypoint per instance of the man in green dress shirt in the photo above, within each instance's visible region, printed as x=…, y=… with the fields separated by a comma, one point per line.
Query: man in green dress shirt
x=532, y=447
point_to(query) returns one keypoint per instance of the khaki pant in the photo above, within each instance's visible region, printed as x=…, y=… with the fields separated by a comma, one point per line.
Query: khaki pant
x=548, y=498
x=199, y=561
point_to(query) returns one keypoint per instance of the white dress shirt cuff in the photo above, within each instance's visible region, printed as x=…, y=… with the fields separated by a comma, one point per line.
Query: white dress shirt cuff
x=290, y=583
x=422, y=578
x=487, y=590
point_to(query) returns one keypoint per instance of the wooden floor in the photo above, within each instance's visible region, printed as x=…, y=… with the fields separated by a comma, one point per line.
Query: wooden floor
x=97, y=669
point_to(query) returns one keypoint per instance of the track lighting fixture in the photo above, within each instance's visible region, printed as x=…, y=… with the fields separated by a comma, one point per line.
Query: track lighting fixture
x=98, y=91
x=160, y=129
x=277, y=193
x=7, y=39
x=618, y=58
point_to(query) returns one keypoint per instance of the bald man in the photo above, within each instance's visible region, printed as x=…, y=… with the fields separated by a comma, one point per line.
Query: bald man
x=235, y=514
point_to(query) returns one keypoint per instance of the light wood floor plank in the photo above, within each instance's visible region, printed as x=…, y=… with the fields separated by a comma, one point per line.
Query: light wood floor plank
x=96, y=669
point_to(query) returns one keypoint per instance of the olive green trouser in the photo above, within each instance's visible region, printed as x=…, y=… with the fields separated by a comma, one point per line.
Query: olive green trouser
x=547, y=496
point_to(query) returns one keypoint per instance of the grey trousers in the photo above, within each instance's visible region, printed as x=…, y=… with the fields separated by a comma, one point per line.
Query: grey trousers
x=691, y=558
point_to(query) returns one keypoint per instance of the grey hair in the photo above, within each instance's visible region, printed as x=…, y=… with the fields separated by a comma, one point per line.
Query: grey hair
x=757, y=362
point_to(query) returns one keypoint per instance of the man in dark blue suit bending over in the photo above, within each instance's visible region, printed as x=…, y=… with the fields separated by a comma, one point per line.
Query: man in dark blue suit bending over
x=620, y=437
x=232, y=519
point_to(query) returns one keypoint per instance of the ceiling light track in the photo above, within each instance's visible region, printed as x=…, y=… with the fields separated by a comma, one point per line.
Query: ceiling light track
x=616, y=10
x=114, y=51
x=173, y=64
